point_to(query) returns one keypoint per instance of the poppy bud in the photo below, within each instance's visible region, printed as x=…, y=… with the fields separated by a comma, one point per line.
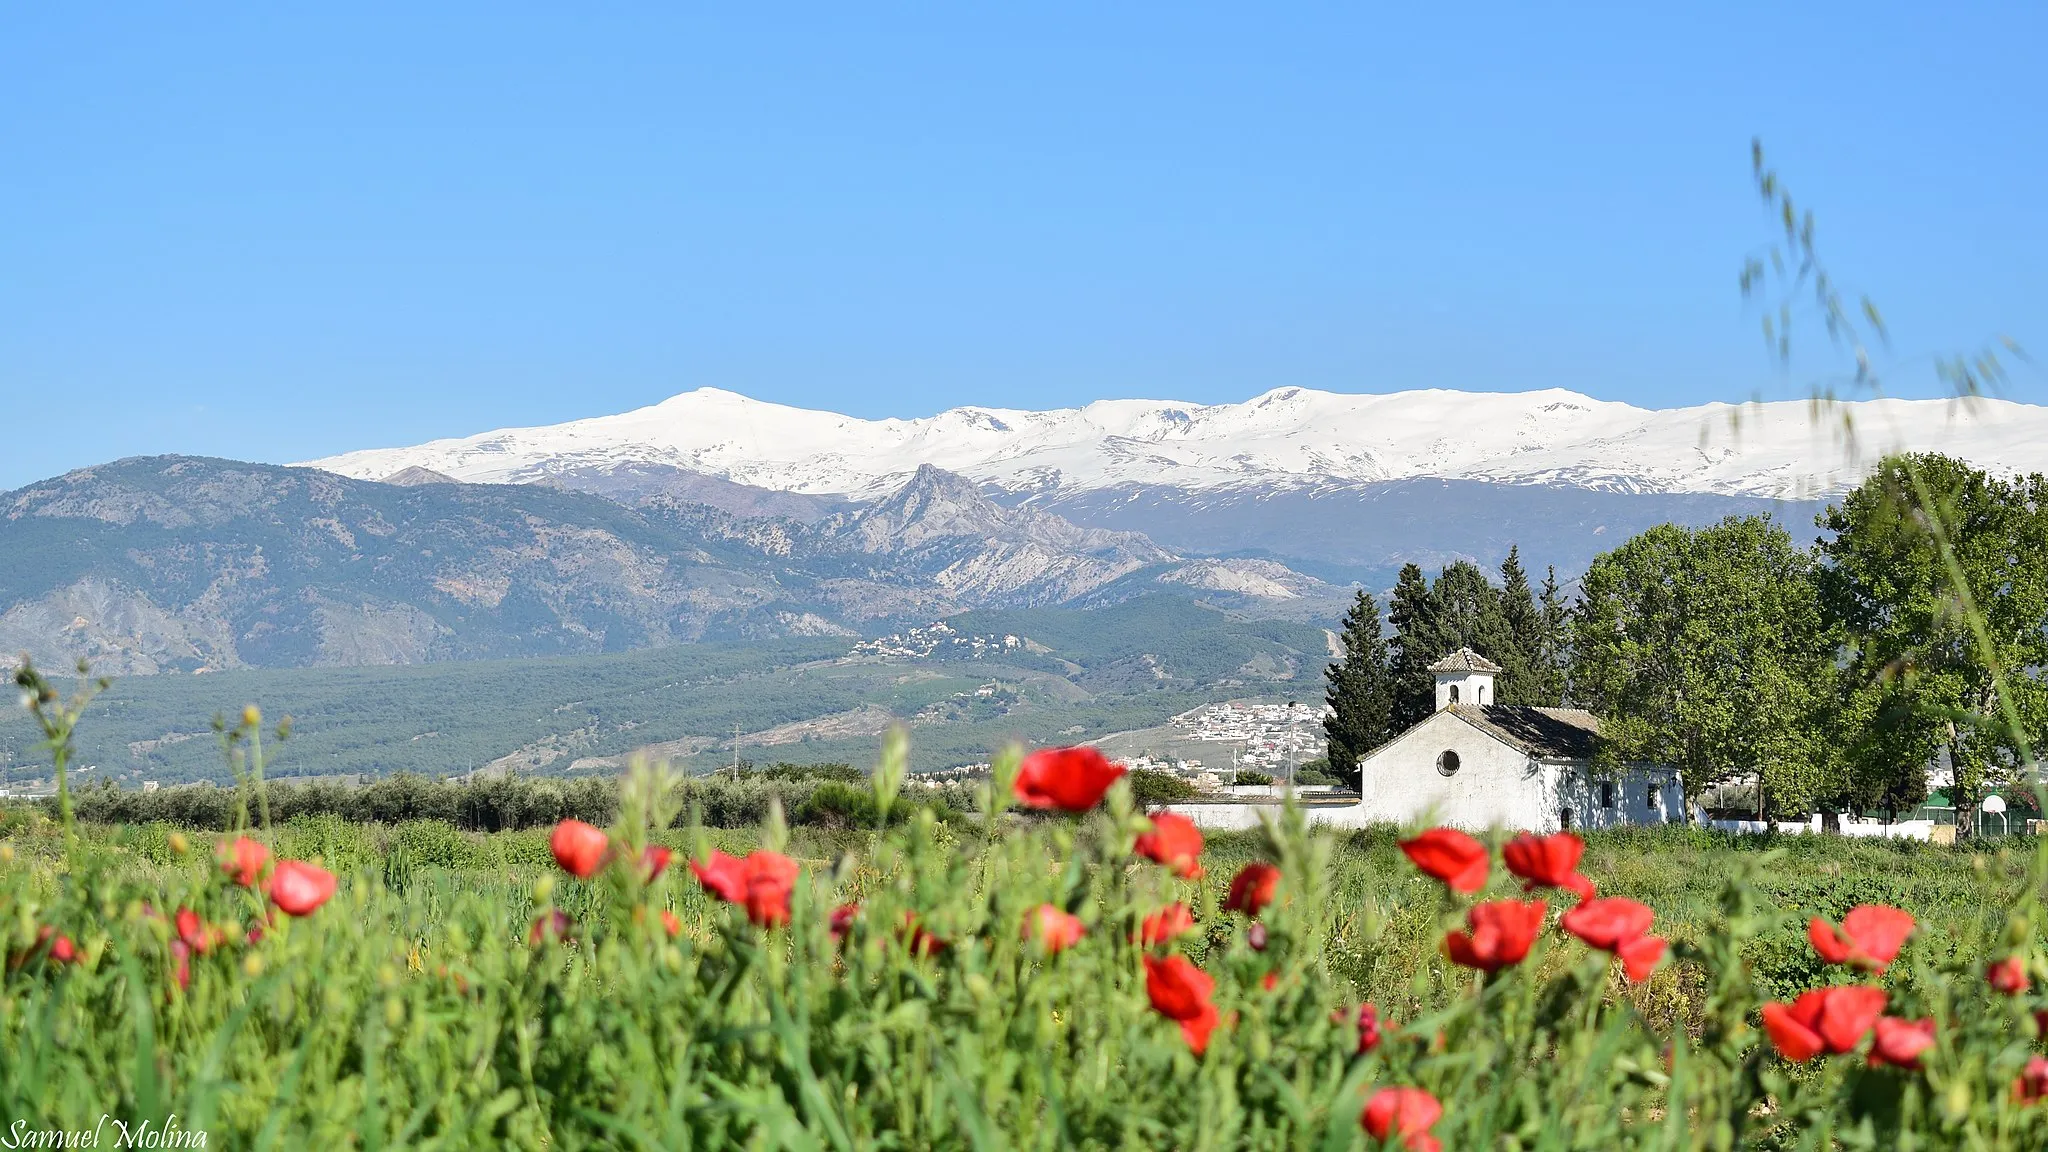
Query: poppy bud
x=250, y=716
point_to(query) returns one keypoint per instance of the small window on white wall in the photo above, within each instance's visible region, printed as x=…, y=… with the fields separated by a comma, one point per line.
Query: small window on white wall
x=1454, y=693
x=1482, y=693
x=1607, y=793
x=1447, y=762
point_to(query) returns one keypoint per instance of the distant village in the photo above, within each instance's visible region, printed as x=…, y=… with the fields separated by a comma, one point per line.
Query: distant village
x=1270, y=738
x=929, y=640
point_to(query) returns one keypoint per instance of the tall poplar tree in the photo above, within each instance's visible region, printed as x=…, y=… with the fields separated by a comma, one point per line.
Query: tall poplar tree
x=1360, y=692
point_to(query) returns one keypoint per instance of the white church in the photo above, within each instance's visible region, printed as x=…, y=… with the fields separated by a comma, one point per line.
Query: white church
x=1477, y=764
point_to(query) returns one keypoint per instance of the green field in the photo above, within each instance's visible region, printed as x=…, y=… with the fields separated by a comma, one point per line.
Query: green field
x=412, y=1010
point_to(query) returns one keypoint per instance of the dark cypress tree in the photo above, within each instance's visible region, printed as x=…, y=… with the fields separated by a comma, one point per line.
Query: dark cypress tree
x=1467, y=611
x=1521, y=654
x=1418, y=642
x=1360, y=693
x=1553, y=656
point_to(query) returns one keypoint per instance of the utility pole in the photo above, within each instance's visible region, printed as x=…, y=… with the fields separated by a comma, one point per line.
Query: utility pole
x=735, y=751
x=1290, y=745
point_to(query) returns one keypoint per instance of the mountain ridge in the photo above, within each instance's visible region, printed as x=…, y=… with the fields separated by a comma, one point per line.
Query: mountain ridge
x=1285, y=439
x=187, y=563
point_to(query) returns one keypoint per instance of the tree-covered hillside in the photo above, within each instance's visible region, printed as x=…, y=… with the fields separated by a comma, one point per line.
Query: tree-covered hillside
x=1081, y=674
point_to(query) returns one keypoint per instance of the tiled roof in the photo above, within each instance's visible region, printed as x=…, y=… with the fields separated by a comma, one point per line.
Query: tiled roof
x=1465, y=660
x=1549, y=733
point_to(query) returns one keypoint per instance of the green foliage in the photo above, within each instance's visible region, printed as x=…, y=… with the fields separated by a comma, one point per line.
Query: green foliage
x=1150, y=787
x=1462, y=609
x=1317, y=771
x=412, y=1009
x=1417, y=643
x=1705, y=649
x=545, y=714
x=1935, y=573
x=1251, y=778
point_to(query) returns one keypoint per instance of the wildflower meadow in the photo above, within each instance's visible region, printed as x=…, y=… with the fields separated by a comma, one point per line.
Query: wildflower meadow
x=1054, y=969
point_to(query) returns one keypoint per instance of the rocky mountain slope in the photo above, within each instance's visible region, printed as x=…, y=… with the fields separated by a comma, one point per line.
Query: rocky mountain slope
x=180, y=563
x=1287, y=439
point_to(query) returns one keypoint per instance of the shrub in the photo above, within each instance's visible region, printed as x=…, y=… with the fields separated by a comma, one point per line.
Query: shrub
x=1248, y=777
x=1150, y=787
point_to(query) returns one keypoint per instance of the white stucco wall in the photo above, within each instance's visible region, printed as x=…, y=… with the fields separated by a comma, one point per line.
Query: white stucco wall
x=1630, y=792
x=1498, y=786
x=1473, y=688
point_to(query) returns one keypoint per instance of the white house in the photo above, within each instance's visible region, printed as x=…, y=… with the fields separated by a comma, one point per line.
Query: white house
x=1478, y=764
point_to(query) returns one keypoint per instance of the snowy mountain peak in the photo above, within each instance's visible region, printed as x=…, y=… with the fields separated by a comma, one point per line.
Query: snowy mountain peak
x=1287, y=438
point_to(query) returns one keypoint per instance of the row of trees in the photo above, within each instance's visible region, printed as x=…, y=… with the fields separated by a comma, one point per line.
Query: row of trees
x=1383, y=684
x=1913, y=634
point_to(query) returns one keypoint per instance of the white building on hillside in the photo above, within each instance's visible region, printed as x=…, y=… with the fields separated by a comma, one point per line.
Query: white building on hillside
x=1478, y=764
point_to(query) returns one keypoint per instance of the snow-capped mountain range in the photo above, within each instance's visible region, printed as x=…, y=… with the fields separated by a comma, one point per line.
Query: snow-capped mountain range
x=1288, y=439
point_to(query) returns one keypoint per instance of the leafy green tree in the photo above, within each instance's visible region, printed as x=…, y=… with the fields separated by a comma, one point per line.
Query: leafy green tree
x=1935, y=574
x=1706, y=649
x=1418, y=642
x=1361, y=690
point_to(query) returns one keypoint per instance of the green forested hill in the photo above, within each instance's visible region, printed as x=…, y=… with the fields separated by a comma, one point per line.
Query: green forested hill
x=1083, y=674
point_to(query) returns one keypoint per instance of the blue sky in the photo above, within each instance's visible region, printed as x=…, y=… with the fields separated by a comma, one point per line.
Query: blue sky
x=274, y=234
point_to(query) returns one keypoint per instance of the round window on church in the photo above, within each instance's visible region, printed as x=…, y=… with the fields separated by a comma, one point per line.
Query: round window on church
x=1447, y=763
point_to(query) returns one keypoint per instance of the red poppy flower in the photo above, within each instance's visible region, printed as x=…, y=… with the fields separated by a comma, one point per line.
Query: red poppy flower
x=1823, y=1020
x=242, y=860
x=299, y=888
x=770, y=878
x=2032, y=1085
x=1639, y=957
x=2008, y=975
x=1175, y=842
x=1269, y=981
x=62, y=951
x=1501, y=933
x=671, y=923
x=842, y=920
x=189, y=929
x=1609, y=922
x=1368, y=1028
x=1196, y=1030
x=1451, y=856
x=1403, y=1114
x=921, y=942
x=195, y=934
x=1870, y=935
x=1072, y=779
x=723, y=876
x=181, y=967
x=578, y=848
x=1548, y=862
x=1252, y=888
x=1900, y=1042
x=1055, y=929
x=653, y=862
x=1180, y=991
x=1165, y=924
x=553, y=926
